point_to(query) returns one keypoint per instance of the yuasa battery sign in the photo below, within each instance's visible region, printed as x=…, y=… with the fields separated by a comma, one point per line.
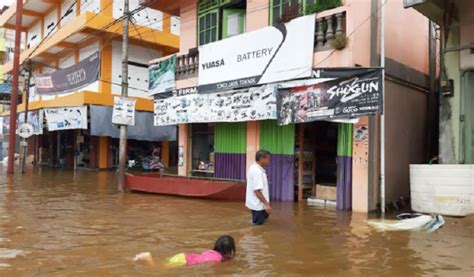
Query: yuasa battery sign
x=272, y=54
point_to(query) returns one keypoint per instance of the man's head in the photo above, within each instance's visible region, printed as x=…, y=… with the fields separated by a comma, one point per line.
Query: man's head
x=262, y=157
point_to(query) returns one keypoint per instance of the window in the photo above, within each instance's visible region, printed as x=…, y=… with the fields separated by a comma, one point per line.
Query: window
x=218, y=19
x=278, y=7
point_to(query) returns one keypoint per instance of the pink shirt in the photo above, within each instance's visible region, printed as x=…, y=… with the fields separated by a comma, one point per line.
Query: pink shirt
x=209, y=256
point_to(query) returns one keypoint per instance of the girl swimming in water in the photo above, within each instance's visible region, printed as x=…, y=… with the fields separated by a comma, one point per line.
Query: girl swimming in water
x=224, y=250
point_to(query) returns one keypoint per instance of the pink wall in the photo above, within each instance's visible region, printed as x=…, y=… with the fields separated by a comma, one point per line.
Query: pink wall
x=188, y=27
x=257, y=14
x=360, y=171
x=253, y=141
x=406, y=36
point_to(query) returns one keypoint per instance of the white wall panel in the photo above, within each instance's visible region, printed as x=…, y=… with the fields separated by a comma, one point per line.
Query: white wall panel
x=67, y=9
x=138, y=76
x=175, y=25
x=50, y=22
x=90, y=6
x=34, y=35
x=146, y=17
x=84, y=53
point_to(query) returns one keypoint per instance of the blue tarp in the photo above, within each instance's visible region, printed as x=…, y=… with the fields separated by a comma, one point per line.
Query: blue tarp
x=5, y=88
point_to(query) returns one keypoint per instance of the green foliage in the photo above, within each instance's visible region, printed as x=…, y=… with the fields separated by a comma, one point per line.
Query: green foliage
x=323, y=5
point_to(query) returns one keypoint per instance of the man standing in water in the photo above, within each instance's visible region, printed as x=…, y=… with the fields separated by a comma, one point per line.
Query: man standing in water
x=257, y=198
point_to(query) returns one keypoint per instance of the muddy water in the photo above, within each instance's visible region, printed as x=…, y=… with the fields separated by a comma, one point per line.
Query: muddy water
x=58, y=223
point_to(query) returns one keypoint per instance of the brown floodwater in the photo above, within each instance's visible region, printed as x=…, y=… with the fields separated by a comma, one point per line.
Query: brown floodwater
x=58, y=223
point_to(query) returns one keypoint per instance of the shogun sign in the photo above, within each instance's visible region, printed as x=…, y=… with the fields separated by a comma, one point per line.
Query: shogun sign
x=344, y=93
x=69, y=79
x=268, y=55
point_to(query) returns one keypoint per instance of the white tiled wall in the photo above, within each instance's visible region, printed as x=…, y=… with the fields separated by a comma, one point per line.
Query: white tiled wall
x=175, y=25
x=90, y=6
x=146, y=17
x=50, y=22
x=34, y=35
x=64, y=8
x=138, y=76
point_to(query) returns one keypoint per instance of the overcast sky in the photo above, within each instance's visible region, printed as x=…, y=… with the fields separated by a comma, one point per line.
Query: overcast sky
x=7, y=2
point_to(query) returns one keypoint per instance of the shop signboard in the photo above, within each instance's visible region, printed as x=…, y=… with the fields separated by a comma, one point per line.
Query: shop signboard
x=346, y=93
x=69, y=79
x=124, y=111
x=162, y=76
x=248, y=104
x=35, y=119
x=66, y=118
x=272, y=54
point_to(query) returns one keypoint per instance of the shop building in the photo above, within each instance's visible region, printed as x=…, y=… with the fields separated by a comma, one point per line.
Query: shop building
x=61, y=34
x=345, y=36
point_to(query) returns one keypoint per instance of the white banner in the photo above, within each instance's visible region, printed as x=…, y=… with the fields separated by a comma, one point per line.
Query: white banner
x=66, y=118
x=124, y=111
x=272, y=54
x=162, y=76
x=255, y=103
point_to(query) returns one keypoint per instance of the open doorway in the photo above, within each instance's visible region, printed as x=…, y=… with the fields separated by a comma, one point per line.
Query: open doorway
x=319, y=159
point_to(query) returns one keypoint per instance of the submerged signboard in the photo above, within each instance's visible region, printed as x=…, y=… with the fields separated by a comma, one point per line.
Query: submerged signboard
x=345, y=93
x=69, y=79
x=272, y=54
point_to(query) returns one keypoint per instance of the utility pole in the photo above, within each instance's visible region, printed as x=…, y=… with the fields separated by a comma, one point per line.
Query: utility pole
x=24, y=144
x=123, y=128
x=382, y=123
x=14, y=95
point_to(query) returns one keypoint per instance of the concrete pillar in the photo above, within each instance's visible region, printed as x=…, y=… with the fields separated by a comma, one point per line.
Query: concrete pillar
x=103, y=152
x=184, y=150
x=253, y=141
x=360, y=168
x=165, y=153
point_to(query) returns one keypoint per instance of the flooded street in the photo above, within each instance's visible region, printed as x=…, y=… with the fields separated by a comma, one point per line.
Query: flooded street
x=58, y=223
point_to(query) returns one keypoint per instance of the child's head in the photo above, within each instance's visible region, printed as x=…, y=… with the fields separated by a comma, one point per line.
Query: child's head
x=226, y=246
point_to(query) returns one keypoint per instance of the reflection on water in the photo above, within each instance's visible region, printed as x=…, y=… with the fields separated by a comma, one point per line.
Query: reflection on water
x=57, y=222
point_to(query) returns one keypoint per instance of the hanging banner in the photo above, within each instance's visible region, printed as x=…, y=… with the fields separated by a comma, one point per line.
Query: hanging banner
x=124, y=111
x=255, y=103
x=271, y=54
x=66, y=118
x=69, y=79
x=162, y=76
x=35, y=119
x=350, y=93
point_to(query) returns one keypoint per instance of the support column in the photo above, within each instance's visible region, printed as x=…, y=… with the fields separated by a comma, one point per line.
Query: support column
x=165, y=153
x=253, y=141
x=360, y=167
x=184, y=150
x=103, y=152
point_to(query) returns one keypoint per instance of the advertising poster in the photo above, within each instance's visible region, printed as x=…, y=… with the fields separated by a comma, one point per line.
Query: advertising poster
x=350, y=94
x=255, y=103
x=272, y=54
x=69, y=79
x=162, y=76
x=66, y=118
x=124, y=111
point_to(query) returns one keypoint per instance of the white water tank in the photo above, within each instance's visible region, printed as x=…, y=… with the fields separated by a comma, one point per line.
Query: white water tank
x=442, y=189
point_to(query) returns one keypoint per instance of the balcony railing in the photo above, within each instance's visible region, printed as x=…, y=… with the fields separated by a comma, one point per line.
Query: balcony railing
x=329, y=28
x=187, y=66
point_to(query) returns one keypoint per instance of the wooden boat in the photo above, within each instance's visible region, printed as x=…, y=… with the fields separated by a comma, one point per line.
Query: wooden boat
x=220, y=189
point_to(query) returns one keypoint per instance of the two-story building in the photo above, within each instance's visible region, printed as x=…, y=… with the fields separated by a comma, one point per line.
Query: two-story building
x=60, y=34
x=341, y=159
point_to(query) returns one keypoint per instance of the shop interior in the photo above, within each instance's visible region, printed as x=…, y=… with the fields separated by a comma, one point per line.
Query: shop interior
x=319, y=167
x=202, y=149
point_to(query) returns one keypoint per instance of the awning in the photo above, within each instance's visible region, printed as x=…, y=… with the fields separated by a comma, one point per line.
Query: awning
x=101, y=125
